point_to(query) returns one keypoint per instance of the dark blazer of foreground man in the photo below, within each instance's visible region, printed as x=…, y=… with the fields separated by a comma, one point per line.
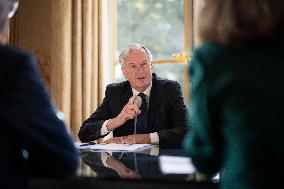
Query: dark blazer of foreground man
x=33, y=140
x=237, y=95
x=166, y=111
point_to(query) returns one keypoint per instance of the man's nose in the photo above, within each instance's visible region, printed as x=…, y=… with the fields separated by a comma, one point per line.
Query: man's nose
x=140, y=68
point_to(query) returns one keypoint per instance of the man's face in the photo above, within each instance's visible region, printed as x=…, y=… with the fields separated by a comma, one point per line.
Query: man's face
x=137, y=69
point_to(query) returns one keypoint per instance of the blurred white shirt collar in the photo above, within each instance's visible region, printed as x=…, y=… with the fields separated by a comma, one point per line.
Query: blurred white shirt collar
x=146, y=92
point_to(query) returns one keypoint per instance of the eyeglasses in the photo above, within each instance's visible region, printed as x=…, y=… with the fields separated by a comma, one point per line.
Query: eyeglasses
x=13, y=10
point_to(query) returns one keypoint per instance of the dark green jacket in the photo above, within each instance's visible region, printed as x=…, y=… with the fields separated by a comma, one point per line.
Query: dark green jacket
x=237, y=114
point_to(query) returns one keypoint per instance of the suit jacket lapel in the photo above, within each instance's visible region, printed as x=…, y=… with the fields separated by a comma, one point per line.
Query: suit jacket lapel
x=126, y=94
x=153, y=103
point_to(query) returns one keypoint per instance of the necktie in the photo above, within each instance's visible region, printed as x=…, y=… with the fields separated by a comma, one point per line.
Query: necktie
x=142, y=119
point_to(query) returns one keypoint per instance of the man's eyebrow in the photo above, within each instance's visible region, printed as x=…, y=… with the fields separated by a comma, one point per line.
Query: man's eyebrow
x=132, y=63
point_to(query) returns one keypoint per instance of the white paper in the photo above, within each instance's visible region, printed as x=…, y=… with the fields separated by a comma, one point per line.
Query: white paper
x=176, y=165
x=116, y=147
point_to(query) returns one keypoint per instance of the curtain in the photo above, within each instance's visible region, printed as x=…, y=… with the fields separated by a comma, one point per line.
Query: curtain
x=74, y=44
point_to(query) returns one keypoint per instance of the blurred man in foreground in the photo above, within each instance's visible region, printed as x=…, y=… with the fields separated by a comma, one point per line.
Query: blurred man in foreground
x=33, y=140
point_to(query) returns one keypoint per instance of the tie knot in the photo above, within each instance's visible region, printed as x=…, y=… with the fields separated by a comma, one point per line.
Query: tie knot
x=143, y=96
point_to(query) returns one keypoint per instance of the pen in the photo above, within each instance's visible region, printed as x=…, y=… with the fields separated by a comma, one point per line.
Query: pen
x=88, y=143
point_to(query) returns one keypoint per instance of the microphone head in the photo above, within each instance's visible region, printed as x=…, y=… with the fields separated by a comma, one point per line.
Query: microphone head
x=138, y=101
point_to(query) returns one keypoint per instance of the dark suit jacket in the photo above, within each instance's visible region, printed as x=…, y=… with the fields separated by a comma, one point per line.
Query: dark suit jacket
x=237, y=114
x=166, y=112
x=33, y=141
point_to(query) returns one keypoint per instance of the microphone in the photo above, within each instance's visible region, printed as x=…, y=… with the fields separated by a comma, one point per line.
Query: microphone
x=138, y=103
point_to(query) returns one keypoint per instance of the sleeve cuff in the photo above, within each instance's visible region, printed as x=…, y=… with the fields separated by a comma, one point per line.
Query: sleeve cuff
x=154, y=151
x=104, y=130
x=104, y=157
x=154, y=137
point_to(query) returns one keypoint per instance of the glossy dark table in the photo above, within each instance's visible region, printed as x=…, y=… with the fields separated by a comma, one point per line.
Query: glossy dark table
x=128, y=170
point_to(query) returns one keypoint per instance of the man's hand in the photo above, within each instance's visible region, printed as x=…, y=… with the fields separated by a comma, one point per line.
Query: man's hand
x=129, y=111
x=121, y=169
x=131, y=139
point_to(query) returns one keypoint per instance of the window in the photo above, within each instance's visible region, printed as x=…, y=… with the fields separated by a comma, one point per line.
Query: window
x=164, y=26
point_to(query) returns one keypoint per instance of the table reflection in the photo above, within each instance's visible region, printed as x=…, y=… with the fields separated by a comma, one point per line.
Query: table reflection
x=133, y=165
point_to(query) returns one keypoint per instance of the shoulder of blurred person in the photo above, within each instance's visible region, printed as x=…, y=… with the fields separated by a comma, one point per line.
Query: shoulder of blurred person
x=31, y=127
x=11, y=57
x=34, y=141
x=232, y=113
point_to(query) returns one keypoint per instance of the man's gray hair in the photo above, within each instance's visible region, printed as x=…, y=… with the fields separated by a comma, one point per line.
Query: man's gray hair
x=136, y=46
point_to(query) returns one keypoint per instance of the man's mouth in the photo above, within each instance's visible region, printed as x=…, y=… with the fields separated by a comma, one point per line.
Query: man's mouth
x=141, y=78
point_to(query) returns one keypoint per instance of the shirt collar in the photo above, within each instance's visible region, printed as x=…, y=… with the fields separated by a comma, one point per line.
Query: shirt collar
x=146, y=92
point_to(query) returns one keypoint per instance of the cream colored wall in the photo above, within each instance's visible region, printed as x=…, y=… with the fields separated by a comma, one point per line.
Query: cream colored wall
x=33, y=28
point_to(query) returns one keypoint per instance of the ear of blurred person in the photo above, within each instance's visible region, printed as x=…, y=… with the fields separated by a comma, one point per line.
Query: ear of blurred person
x=33, y=140
x=236, y=117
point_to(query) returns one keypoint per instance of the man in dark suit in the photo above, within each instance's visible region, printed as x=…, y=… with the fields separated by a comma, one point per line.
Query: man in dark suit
x=33, y=140
x=161, y=119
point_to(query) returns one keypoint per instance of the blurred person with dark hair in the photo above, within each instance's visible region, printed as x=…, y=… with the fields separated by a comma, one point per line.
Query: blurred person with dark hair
x=237, y=99
x=33, y=140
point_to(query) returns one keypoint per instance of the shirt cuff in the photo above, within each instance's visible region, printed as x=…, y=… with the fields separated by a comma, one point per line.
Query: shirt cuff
x=154, y=137
x=154, y=151
x=104, y=130
x=104, y=157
